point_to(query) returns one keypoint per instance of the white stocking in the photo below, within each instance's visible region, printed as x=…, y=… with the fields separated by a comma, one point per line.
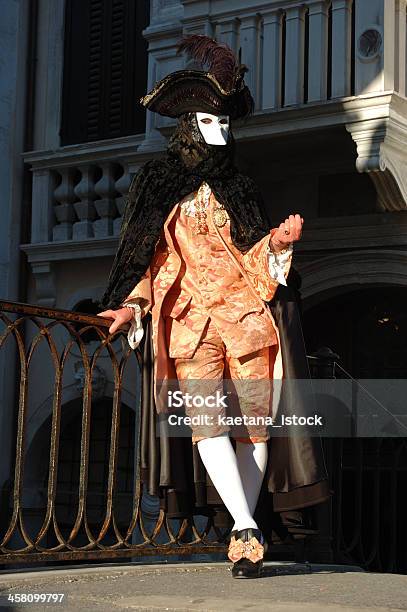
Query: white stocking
x=220, y=461
x=252, y=463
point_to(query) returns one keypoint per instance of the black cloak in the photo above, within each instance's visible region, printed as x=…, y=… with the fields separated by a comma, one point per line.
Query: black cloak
x=171, y=467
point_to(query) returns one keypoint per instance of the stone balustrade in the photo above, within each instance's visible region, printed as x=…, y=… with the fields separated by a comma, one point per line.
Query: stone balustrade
x=85, y=200
x=79, y=192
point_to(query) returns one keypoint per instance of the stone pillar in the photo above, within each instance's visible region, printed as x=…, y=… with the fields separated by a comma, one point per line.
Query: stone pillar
x=49, y=69
x=272, y=59
x=341, y=48
x=318, y=51
x=249, y=42
x=228, y=32
x=294, y=56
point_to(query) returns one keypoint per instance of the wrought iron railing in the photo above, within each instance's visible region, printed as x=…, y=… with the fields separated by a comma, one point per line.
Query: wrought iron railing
x=28, y=536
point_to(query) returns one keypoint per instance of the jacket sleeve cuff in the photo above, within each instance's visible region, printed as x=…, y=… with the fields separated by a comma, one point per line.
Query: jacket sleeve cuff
x=136, y=331
x=279, y=263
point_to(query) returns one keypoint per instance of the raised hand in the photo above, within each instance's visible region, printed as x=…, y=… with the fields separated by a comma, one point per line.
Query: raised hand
x=288, y=231
x=120, y=316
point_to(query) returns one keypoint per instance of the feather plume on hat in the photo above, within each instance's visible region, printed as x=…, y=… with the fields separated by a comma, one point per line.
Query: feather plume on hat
x=219, y=58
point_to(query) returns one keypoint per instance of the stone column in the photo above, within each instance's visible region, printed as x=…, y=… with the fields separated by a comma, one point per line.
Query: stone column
x=49, y=71
x=341, y=48
x=228, y=32
x=249, y=42
x=272, y=59
x=318, y=51
x=294, y=56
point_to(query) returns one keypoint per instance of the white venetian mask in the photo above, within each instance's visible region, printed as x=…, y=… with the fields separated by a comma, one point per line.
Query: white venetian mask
x=214, y=128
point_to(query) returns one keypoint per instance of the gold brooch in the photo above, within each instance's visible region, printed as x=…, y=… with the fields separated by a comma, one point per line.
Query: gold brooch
x=220, y=216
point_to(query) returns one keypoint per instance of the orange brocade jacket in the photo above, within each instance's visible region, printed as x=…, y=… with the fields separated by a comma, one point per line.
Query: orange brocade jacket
x=196, y=276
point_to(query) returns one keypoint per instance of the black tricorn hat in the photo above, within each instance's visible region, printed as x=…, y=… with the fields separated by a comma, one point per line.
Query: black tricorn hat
x=220, y=90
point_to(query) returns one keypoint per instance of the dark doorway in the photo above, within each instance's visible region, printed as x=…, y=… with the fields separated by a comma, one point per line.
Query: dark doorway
x=367, y=328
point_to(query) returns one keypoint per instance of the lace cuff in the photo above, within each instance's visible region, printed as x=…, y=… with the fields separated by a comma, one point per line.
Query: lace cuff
x=136, y=331
x=277, y=262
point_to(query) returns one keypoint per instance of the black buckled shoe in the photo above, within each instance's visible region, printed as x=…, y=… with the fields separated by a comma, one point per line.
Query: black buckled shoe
x=246, y=551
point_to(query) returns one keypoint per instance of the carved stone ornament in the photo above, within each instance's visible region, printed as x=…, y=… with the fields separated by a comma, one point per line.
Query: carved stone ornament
x=381, y=144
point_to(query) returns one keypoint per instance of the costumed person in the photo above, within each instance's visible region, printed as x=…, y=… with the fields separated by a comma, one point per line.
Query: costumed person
x=195, y=273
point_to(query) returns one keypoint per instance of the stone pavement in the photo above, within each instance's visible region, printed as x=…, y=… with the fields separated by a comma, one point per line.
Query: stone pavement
x=181, y=587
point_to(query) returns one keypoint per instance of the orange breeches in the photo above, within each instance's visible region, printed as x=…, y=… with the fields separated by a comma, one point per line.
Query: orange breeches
x=245, y=381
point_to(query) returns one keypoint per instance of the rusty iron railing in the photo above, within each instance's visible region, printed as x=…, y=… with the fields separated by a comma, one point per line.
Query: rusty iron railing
x=36, y=538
